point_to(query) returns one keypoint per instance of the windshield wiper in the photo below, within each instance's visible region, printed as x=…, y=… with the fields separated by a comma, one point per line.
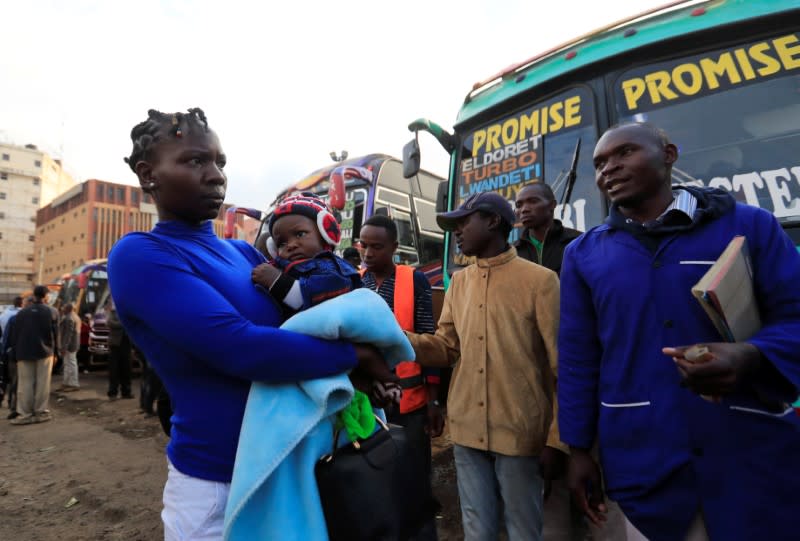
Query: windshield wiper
x=572, y=175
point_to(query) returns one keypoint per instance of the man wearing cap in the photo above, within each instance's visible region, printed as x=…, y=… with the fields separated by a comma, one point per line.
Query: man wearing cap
x=498, y=329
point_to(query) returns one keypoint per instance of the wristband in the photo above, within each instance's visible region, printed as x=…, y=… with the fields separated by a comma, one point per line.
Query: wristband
x=281, y=286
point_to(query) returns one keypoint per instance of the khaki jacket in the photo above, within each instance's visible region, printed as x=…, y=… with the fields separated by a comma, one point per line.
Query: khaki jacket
x=498, y=327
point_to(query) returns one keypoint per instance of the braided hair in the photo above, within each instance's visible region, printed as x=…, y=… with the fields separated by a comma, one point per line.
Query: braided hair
x=145, y=135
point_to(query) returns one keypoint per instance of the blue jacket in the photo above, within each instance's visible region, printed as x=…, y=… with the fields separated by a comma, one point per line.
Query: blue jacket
x=186, y=300
x=667, y=453
x=321, y=277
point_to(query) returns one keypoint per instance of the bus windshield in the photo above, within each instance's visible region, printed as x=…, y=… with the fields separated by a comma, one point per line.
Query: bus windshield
x=534, y=144
x=83, y=289
x=749, y=144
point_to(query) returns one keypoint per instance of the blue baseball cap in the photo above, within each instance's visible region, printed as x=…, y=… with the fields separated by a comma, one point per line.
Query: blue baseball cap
x=486, y=201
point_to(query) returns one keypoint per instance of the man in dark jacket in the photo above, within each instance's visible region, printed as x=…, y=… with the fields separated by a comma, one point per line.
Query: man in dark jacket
x=544, y=238
x=119, y=357
x=34, y=340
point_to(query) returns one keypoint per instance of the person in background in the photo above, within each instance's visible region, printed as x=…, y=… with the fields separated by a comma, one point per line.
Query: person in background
x=187, y=300
x=119, y=355
x=352, y=256
x=7, y=352
x=8, y=313
x=498, y=327
x=5, y=316
x=69, y=331
x=681, y=467
x=34, y=338
x=408, y=294
x=543, y=238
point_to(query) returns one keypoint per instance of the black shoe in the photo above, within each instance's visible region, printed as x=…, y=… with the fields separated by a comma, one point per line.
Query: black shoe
x=12, y=415
x=128, y=396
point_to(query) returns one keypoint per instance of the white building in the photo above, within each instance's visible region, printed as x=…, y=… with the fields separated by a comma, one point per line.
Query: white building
x=29, y=180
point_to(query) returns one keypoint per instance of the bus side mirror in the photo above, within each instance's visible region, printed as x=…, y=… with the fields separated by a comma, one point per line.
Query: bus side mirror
x=411, y=158
x=441, y=196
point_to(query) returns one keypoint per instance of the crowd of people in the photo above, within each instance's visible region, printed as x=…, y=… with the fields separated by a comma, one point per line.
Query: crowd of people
x=570, y=378
x=30, y=340
x=39, y=341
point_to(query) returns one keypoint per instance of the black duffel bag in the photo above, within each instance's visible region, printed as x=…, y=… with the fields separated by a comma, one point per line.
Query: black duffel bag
x=374, y=489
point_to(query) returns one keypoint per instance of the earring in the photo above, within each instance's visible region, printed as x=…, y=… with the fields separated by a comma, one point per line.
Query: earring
x=176, y=124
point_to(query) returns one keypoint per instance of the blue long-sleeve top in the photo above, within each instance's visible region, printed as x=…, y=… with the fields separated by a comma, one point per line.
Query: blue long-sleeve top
x=186, y=299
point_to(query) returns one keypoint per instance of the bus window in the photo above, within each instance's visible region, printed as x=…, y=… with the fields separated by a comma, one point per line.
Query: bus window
x=751, y=146
x=393, y=193
x=535, y=144
x=506, y=153
x=96, y=285
x=405, y=237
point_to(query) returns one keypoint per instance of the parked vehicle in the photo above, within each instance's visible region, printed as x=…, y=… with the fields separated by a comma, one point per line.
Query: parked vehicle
x=99, y=332
x=375, y=184
x=721, y=78
x=83, y=287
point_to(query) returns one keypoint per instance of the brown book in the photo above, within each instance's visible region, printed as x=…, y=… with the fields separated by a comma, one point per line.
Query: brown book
x=726, y=293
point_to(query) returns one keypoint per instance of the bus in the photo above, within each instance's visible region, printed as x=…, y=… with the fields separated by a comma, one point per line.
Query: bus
x=85, y=288
x=356, y=189
x=722, y=77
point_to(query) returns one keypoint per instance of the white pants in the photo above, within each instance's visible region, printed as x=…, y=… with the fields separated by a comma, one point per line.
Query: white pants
x=194, y=508
x=71, y=368
x=697, y=531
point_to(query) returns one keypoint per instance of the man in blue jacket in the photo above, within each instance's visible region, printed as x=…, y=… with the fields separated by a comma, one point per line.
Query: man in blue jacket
x=681, y=467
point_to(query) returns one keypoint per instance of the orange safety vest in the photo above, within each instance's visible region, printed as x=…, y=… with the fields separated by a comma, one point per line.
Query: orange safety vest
x=415, y=395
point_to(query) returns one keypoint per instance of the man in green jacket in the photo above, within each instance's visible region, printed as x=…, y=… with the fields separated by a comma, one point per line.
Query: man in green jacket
x=544, y=238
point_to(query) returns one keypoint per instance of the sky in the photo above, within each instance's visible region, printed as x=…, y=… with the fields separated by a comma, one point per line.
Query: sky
x=282, y=83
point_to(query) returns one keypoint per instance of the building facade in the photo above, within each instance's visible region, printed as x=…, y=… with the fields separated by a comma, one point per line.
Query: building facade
x=85, y=222
x=29, y=179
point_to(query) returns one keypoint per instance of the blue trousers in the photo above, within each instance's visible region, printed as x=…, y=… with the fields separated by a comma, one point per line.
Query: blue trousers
x=484, y=480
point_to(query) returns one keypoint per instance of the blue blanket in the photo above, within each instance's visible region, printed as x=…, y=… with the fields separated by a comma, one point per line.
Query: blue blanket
x=288, y=427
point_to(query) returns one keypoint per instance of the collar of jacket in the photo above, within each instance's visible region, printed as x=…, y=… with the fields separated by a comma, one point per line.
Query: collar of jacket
x=711, y=203
x=500, y=259
x=554, y=229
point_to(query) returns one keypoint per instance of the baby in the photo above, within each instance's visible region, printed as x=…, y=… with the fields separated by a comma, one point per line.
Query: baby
x=304, y=271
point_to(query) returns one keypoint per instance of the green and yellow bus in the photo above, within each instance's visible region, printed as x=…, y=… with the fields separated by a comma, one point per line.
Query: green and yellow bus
x=722, y=77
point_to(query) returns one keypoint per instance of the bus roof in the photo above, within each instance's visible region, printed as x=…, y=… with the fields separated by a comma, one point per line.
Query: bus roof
x=651, y=27
x=321, y=174
x=92, y=264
